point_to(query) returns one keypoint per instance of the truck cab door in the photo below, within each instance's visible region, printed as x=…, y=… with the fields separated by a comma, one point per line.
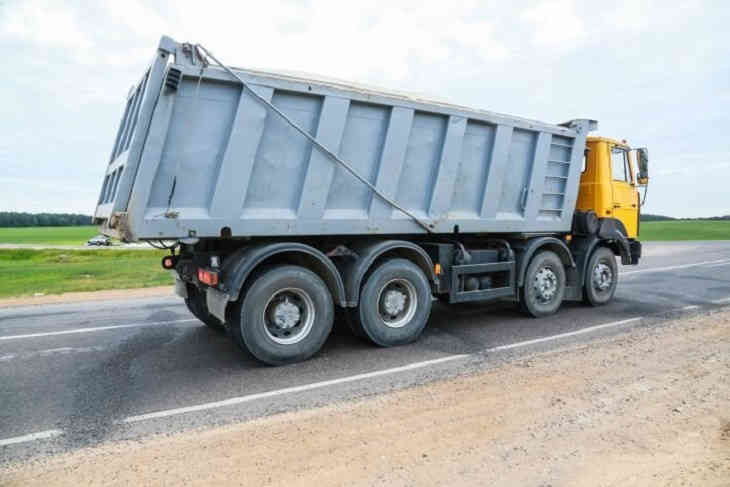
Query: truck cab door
x=625, y=201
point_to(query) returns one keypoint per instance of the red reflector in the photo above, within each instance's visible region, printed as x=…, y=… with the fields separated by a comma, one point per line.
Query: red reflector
x=168, y=263
x=207, y=277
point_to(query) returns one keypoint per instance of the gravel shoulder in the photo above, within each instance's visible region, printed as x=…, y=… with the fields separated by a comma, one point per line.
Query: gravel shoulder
x=647, y=408
x=80, y=297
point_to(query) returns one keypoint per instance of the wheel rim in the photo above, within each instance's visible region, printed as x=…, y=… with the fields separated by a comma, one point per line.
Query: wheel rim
x=289, y=316
x=397, y=303
x=545, y=285
x=602, y=277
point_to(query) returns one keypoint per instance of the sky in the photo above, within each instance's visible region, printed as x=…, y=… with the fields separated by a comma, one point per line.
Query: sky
x=654, y=73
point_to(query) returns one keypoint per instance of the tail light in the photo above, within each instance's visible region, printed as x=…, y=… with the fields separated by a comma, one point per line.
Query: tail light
x=168, y=262
x=207, y=277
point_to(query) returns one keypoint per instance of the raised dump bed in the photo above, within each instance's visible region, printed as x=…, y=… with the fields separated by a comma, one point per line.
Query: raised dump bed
x=198, y=155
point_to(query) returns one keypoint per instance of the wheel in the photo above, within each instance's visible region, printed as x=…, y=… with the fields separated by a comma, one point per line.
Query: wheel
x=544, y=285
x=395, y=304
x=285, y=315
x=601, y=277
x=196, y=304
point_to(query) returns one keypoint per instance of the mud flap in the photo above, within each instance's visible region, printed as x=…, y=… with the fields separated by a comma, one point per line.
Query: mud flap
x=181, y=289
x=216, y=302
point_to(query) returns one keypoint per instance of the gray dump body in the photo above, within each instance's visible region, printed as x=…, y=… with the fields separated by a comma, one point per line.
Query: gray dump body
x=196, y=155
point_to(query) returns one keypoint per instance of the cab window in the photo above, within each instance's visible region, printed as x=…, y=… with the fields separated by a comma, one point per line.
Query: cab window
x=619, y=165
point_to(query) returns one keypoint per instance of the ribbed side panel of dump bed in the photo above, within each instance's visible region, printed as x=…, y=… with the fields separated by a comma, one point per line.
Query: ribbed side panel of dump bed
x=217, y=158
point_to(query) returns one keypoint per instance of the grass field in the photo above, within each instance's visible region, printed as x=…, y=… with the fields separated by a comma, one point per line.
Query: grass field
x=48, y=235
x=684, y=230
x=26, y=272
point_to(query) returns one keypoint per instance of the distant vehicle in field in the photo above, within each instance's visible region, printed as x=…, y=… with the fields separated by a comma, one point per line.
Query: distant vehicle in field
x=290, y=197
x=100, y=240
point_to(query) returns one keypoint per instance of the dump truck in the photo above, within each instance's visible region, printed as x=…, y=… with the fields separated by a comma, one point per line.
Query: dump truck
x=288, y=199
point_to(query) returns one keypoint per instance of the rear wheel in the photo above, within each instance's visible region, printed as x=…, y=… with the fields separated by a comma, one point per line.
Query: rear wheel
x=197, y=306
x=285, y=315
x=395, y=304
x=544, y=285
x=601, y=277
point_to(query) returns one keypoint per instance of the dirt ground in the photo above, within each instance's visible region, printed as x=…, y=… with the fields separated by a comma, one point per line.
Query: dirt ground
x=646, y=409
x=78, y=297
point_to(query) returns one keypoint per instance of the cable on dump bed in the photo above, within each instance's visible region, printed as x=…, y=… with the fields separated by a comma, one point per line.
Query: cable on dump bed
x=314, y=141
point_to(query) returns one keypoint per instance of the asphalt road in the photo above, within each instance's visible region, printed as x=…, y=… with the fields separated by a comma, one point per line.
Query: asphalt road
x=74, y=375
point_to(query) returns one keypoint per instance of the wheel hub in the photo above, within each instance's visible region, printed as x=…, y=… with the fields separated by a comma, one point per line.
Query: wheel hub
x=602, y=277
x=286, y=314
x=545, y=284
x=394, y=302
x=289, y=316
x=397, y=303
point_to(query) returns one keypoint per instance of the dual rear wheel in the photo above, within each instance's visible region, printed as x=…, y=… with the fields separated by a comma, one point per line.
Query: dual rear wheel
x=286, y=312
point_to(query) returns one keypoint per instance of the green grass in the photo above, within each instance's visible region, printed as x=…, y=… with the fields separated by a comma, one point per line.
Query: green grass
x=48, y=235
x=685, y=230
x=28, y=271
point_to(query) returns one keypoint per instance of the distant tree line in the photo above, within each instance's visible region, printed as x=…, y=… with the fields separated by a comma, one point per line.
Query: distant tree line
x=647, y=217
x=16, y=219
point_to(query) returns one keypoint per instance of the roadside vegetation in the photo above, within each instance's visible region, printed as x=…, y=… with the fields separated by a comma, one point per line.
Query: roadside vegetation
x=684, y=230
x=28, y=272
x=77, y=235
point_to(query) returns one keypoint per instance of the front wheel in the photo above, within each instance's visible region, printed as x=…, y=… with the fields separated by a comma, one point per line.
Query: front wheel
x=601, y=277
x=544, y=285
x=395, y=304
x=285, y=315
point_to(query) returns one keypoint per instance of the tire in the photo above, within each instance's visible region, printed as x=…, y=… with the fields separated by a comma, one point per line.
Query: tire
x=284, y=316
x=410, y=304
x=601, y=277
x=544, y=285
x=196, y=304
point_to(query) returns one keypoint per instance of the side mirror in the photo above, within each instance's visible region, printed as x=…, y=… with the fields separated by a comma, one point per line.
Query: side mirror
x=642, y=155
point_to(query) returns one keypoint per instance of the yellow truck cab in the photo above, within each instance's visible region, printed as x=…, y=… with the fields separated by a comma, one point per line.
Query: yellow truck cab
x=610, y=180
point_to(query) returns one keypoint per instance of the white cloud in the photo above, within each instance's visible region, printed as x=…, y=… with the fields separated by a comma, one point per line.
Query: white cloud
x=45, y=24
x=555, y=24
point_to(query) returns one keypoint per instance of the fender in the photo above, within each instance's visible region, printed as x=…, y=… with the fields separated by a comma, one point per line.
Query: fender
x=554, y=244
x=614, y=231
x=239, y=265
x=355, y=269
x=582, y=248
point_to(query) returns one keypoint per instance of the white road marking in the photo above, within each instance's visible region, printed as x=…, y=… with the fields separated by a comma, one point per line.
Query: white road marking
x=671, y=268
x=723, y=300
x=720, y=265
x=49, y=352
x=290, y=390
x=41, y=435
x=691, y=306
x=90, y=330
x=318, y=385
x=582, y=331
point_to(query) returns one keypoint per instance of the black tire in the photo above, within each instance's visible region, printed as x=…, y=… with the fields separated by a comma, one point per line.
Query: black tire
x=410, y=291
x=544, y=285
x=196, y=304
x=257, y=316
x=601, y=277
